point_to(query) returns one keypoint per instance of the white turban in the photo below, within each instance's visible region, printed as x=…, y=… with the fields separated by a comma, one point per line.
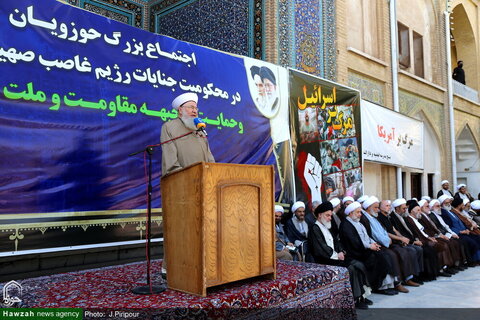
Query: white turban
x=335, y=202
x=443, y=198
x=427, y=198
x=444, y=181
x=422, y=202
x=298, y=204
x=371, y=200
x=362, y=198
x=279, y=208
x=181, y=99
x=461, y=185
x=432, y=203
x=351, y=207
x=476, y=205
x=345, y=199
x=398, y=202
x=465, y=201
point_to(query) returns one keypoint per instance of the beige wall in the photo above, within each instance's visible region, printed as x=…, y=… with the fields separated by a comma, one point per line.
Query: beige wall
x=370, y=72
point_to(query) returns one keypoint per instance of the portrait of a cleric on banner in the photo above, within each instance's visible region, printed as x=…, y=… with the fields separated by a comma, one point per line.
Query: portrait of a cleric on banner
x=192, y=146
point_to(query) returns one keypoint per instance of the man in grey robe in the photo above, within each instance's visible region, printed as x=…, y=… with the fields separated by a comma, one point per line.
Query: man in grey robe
x=193, y=146
x=182, y=144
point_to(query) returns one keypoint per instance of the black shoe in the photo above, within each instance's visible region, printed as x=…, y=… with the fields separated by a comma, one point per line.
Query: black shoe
x=450, y=271
x=387, y=292
x=393, y=291
x=361, y=305
x=368, y=301
x=164, y=276
x=444, y=274
x=417, y=280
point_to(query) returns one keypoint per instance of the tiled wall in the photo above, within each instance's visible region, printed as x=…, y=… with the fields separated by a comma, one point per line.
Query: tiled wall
x=307, y=36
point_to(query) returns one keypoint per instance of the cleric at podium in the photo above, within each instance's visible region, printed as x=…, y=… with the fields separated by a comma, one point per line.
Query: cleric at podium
x=188, y=145
x=182, y=143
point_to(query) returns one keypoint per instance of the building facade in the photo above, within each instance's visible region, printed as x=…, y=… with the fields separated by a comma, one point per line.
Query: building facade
x=350, y=42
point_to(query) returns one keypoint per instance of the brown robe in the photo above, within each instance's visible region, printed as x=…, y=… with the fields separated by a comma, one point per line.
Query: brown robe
x=454, y=247
x=468, y=224
x=184, y=151
x=441, y=248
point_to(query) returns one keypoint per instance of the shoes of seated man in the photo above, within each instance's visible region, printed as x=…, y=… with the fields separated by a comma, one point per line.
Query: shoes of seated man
x=388, y=292
x=444, y=274
x=450, y=271
x=361, y=305
x=401, y=288
x=411, y=283
x=368, y=301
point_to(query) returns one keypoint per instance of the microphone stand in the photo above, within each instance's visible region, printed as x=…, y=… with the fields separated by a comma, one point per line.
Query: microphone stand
x=149, y=289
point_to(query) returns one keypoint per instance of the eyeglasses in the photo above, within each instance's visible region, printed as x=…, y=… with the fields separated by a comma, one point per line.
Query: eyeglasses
x=190, y=108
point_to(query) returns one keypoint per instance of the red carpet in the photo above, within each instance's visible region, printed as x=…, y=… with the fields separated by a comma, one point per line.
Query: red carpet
x=301, y=290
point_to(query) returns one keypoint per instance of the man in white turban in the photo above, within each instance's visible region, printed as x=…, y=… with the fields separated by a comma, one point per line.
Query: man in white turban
x=296, y=229
x=445, y=189
x=462, y=193
x=282, y=243
x=375, y=229
x=183, y=145
x=360, y=246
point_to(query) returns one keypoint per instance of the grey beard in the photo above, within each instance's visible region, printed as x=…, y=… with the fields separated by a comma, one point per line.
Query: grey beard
x=188, y=122
x=405, y=214
x=439, y=212
x=356, y=219
x=328, y=224
x=449, y=208
x=375, y=214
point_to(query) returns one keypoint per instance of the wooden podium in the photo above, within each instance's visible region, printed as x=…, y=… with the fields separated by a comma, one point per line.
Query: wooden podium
x=219, y=225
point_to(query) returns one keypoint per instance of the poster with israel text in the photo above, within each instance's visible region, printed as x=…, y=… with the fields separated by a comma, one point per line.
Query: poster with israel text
x=325, y=135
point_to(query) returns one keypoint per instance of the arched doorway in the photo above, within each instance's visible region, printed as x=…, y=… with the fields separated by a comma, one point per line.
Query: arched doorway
x=463, y=45
x=468, y=161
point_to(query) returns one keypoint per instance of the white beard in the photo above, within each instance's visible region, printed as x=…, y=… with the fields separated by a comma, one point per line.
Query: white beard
x=327, y=225
x=356, y=219
x=374, y=214
x=188, y=122
x=439, y=212
x=449, y=208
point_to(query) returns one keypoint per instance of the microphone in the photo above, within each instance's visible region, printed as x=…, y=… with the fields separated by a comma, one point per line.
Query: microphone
x=200, y=125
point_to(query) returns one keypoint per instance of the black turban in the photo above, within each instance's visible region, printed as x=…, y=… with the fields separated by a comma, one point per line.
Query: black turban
x=268, y=74
x=456, y=202
x=412, y=205
x=323, y=207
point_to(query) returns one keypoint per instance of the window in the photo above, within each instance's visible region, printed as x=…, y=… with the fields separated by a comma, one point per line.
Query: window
x=418, y=54
x=430, y=185
x=363, y=28
x=403, y=46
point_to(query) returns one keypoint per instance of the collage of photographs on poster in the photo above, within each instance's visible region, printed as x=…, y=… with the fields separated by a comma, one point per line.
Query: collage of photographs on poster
x=326, y=142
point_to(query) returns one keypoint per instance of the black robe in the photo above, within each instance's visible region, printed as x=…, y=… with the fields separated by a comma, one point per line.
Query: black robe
x=321, y=253
x=374, y=261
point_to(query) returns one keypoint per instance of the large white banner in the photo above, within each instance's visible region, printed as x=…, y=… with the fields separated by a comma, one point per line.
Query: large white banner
x=390, y=137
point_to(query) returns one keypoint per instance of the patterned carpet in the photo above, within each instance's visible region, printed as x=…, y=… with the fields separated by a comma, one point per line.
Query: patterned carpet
x=301, y=290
